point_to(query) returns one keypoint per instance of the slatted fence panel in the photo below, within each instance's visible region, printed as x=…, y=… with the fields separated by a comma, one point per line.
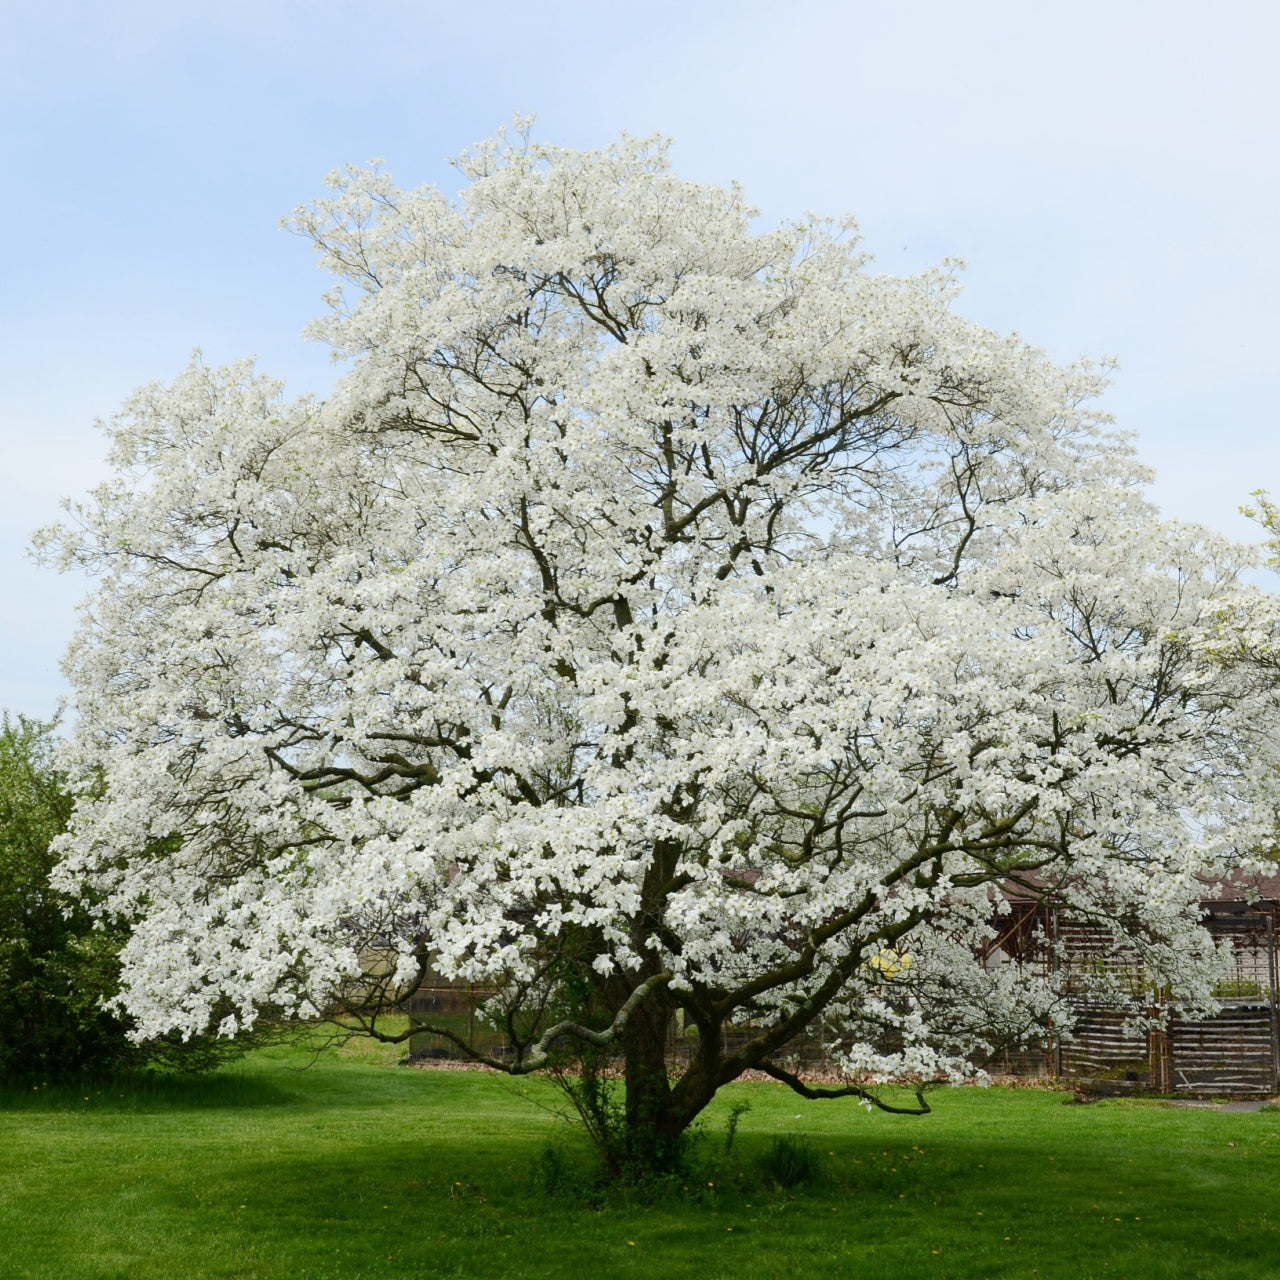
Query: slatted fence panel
x=453, y=1008
x=1230, y=1054
x=1101, y=1049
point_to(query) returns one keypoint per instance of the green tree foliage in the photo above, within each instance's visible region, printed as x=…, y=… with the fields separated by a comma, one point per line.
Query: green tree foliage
x=57, y=970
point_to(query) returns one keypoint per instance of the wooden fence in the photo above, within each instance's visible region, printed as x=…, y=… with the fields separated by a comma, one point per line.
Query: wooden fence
x=1234, y=1053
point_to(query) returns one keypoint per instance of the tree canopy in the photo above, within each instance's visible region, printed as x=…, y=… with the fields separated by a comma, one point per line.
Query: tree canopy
x=661, y=616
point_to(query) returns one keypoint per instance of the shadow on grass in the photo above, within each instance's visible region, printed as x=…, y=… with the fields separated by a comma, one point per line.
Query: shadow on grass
x=145, y=1091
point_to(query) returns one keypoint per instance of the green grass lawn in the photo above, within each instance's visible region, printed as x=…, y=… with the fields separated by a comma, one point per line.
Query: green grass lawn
x=356, y=1168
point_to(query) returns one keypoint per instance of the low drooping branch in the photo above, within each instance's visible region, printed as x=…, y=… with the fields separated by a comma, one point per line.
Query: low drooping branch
x=845, y=1091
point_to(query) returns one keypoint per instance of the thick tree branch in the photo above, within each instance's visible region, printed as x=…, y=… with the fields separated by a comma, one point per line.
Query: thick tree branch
x=845, y=1091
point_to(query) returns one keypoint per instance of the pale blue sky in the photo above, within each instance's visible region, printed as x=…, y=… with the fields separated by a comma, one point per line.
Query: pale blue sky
x=1108, y=170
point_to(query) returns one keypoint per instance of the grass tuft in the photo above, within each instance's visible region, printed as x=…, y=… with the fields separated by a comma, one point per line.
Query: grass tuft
x=791, y=1162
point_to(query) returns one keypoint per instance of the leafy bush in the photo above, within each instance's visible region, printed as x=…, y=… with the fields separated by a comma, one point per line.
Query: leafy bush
x=57, y=969
x=736, y=1112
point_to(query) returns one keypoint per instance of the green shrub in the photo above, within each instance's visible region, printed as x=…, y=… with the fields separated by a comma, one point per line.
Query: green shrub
x=57, y=969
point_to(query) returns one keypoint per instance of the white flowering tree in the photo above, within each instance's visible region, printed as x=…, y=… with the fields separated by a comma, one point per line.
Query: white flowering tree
x=661, y=621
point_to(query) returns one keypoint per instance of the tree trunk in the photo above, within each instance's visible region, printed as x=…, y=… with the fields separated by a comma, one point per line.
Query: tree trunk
x=651, y=1134
x=654, y=1116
